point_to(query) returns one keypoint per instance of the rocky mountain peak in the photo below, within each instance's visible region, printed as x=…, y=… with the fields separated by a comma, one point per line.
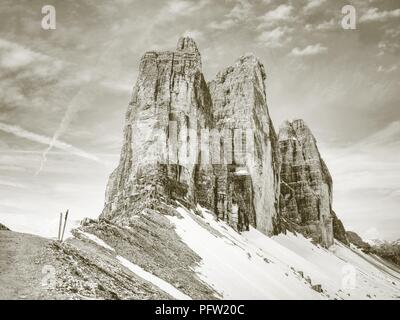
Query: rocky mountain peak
x=295, y=129
x=187, y=44
x=171, y=93
x=306, y=184
x=259, y=179
x=239, y=102
x=247, y=65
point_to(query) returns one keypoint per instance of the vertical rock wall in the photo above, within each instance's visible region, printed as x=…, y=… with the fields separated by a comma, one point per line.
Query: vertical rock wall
x=239, y=106
x=169, y=98
x=306, y=185
x=239, y=168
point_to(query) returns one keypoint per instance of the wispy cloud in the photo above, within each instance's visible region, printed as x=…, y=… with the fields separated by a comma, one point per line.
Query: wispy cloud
x=274, y=38
x=14, y=55
x=22, y=133
x=282, y=12
x=387, y=135
x=387, y=69
x=310, y=50
x=323, y=26
x=281, y=17
x=241, y=12
x=176, y=8
x=366, y=179
x=373, y=14
x=222, y=25
x=183, y=7
x=13, y=184
x=313, y=4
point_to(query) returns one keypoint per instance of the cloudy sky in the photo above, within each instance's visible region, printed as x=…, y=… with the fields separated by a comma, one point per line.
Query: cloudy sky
x=69, y=88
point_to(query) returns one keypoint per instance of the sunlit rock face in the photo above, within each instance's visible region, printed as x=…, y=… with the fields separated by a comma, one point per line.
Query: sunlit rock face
x=169, y=98
x=248, y=189
x=234, y=170
x=215, y=145
x=306, y=184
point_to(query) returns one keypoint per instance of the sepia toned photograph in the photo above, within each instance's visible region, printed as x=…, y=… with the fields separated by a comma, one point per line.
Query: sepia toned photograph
x=200, y=150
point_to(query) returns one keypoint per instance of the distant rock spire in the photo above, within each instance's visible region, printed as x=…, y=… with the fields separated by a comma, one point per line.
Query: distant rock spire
x=187, y=44
x=306, y=184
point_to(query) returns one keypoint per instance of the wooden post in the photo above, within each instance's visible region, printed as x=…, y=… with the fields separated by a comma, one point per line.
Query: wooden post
x=59, y=227
x=65, y=223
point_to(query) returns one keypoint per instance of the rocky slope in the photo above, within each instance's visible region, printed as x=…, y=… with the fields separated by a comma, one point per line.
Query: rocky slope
x=205, y=203
x=85, y=267
x=186, y=255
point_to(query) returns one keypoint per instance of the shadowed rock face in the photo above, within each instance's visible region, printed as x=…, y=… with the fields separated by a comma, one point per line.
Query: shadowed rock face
x=306, y=185
x=355, y=239
x=339, y=232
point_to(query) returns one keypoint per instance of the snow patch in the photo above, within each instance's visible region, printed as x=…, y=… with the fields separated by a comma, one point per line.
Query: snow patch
x=96, y=240
x=242, y=172
x=160, y=283
x=235, y=268
x=251, y=265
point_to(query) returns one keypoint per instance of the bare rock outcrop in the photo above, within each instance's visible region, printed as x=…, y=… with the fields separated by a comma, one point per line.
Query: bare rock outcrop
x=339, y=232
x=356, y=240
x=248, y=189
x=306, y=184
x=169, y=99
x=195, y=143
x=3, y=227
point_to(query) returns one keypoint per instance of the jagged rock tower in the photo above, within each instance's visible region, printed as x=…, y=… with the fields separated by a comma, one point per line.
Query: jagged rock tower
x=306, y=184
x=240, y=107
x=170, y=97
x=215, y=145
x=236, y=167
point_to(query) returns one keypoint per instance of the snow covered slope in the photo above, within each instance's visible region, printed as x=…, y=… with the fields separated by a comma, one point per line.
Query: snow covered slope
x=182, y=254
x=252, y=266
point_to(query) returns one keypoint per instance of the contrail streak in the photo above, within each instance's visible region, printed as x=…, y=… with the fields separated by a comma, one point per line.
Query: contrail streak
x=72, y=108
x=22, y=133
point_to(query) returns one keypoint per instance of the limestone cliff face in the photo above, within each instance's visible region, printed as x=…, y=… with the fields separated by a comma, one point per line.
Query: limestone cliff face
x=169, y=98
x=3, y=227
x=215, y=145
x=249, y=188
x=235, y=169
x=339, y=232
x=306, y=185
